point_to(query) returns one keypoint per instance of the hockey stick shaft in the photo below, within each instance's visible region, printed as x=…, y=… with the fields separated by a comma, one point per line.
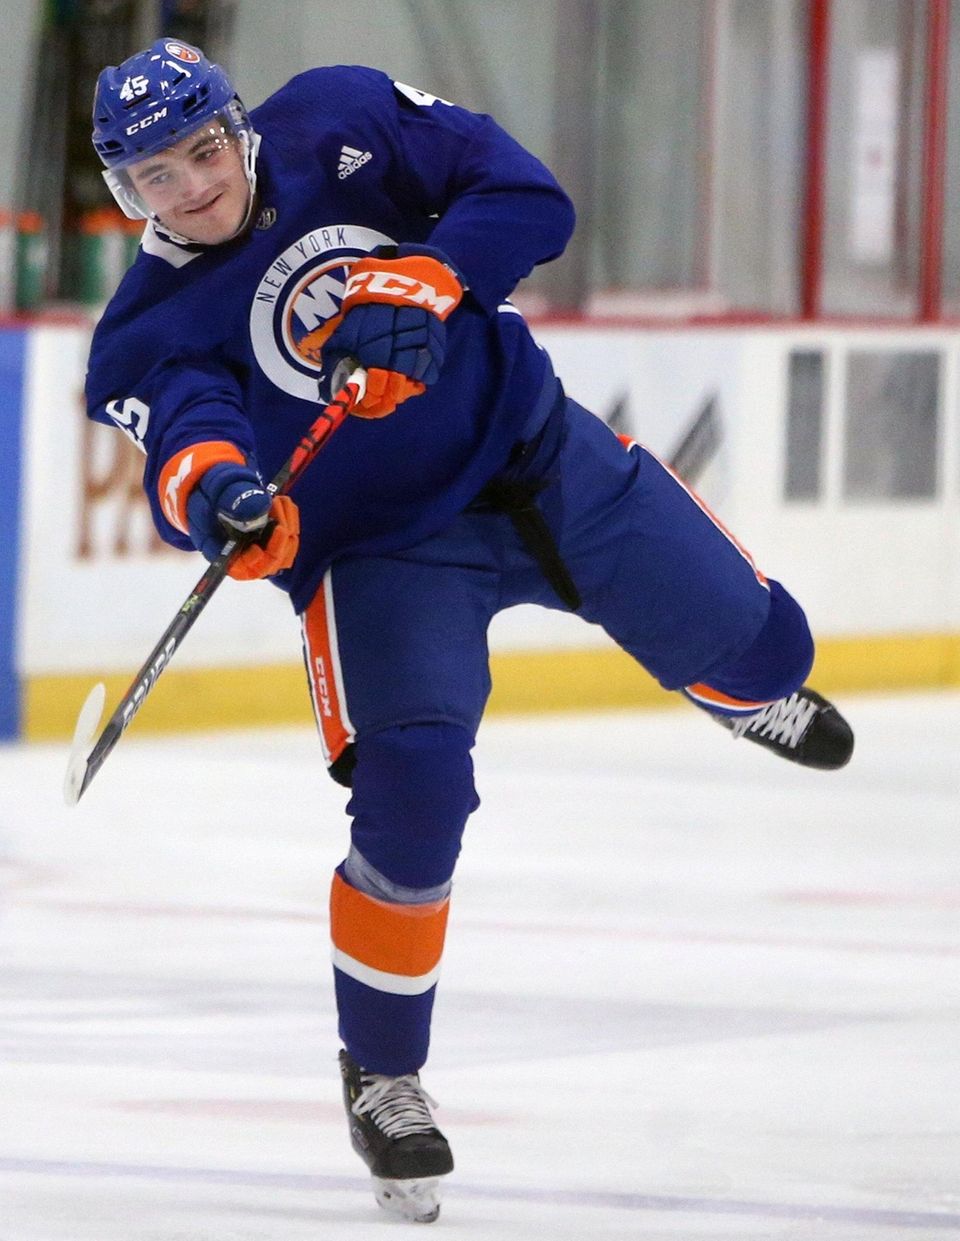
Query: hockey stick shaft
x=323, y=426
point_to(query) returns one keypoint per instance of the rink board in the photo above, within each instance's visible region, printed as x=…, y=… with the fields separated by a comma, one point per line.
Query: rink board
x=90, y=590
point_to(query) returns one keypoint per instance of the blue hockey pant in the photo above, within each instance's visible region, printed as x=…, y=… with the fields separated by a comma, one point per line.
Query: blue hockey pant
x=396, y=651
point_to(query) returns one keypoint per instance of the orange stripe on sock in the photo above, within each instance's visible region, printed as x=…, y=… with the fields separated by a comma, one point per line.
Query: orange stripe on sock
x=724, y=700
x=395, y=939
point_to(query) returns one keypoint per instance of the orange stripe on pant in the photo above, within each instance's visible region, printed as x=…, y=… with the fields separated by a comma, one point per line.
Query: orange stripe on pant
x=323, y=669
x=628, y=442
x=395, y=948
x=708, y=512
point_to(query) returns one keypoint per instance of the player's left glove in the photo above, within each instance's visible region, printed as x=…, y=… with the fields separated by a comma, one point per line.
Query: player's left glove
x=394, y=309
x=210, y=492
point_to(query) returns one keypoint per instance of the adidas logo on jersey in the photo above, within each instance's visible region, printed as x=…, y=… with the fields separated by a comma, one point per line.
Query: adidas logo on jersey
x=350, y=160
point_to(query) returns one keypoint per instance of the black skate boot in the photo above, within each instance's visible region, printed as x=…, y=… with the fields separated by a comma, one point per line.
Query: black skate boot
x=803, y=728
x=392, y=1130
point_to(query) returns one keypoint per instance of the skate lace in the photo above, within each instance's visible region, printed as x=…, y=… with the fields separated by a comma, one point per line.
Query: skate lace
x=398, y=1106
x=786, y=721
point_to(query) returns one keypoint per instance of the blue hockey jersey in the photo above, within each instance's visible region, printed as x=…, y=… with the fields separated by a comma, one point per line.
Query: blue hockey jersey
x=222, y=343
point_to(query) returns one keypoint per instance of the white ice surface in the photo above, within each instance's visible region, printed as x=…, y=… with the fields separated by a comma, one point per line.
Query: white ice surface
x=689, y=990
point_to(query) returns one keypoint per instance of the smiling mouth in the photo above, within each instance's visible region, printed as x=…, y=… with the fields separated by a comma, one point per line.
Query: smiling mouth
x=205, y=207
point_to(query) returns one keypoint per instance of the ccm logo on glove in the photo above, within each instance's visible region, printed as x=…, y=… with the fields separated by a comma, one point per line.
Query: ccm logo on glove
x=393, y=314
x=397, y=288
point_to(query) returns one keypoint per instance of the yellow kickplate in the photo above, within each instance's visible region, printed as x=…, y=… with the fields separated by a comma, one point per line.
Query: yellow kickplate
x=523, y=682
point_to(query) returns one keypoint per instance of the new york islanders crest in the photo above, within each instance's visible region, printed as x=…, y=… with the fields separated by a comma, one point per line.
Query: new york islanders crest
x=296, y=305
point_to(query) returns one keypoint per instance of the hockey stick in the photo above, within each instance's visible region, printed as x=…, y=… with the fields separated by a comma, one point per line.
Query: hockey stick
x=86, y=758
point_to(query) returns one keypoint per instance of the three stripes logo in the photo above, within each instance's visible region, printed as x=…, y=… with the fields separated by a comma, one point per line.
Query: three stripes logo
x=350, y=160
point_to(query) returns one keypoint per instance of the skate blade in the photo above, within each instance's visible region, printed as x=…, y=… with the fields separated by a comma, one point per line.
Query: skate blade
x=417, y=1199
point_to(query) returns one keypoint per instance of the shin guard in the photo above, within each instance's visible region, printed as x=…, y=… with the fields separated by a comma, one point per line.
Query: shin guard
x=386, y=963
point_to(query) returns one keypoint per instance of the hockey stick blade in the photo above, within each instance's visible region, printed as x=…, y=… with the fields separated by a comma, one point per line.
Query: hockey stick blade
x=75, y=779
x=86, y=759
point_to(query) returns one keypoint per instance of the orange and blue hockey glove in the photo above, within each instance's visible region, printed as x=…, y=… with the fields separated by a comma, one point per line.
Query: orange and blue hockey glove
x=394, y=309
x=211, y=493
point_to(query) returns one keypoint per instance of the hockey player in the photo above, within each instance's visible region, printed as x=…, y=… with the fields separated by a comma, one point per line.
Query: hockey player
x=353, y=218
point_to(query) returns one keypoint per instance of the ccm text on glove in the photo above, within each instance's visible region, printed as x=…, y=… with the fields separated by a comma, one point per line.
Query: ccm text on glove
x=393, y=324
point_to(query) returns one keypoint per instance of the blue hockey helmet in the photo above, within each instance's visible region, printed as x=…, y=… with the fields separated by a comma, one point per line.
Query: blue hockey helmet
x=153, y=100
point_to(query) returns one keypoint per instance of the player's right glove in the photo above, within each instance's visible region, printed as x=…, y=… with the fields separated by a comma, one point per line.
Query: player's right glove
x=210, y=492
x=394, y=309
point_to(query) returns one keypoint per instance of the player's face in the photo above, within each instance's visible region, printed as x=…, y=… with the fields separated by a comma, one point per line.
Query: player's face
x=198, y=187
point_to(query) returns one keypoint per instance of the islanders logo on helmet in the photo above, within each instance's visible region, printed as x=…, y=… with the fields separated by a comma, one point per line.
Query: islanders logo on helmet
x=153, y=100
x=183, y=51
x=296, y=305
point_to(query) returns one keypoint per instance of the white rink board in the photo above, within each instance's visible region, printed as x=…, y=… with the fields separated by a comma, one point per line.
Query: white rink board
x=858, y=569
x=106, y=613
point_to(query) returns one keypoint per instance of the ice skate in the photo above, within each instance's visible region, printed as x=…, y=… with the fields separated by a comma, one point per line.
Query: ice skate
x=803, y=728
x=392, y=1130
